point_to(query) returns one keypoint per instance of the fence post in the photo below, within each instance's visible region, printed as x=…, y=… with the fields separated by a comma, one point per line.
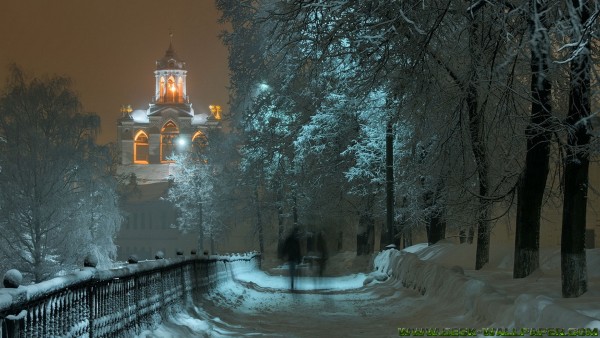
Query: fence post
x=11, y=328
x=90, y=300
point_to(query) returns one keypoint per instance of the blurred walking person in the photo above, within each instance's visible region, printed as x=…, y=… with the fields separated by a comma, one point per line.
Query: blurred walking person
x=291, y=251
x=322, y=250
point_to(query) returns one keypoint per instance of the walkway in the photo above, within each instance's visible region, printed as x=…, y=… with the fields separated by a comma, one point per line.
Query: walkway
x=261, y=305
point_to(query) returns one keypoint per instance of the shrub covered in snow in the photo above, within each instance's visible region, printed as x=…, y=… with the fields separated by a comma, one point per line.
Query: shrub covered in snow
x=12, y=278
x=90, y=261
x=133, y=259
x=159, y=255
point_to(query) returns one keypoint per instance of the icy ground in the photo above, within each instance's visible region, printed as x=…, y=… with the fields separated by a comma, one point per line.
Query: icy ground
x=428, y=287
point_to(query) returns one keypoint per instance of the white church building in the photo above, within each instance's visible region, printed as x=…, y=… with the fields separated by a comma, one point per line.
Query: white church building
x=146, y=139
x=151, y=136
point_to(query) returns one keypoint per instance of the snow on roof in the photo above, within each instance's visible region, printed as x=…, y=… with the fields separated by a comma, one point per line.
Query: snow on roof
x=140, y=116
x=199, y=119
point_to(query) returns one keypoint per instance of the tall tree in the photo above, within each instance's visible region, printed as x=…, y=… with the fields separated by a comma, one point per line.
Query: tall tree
x=575, y=177
x=57, y=198
x=538, y=134
x=192, y=193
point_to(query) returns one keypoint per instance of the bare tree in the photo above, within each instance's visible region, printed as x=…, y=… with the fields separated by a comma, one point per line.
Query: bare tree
x=57, y=198
x=539, y=133
x=575, y=176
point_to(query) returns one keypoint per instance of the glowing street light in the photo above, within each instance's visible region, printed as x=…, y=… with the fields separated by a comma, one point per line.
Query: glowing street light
x=263, y=87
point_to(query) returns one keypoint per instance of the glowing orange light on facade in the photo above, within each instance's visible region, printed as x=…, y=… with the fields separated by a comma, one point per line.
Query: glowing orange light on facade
x=216, y=111
x=140, y=148
x=126, y=109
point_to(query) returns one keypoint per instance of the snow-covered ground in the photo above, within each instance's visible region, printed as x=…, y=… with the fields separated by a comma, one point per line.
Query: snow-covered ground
x=421, y=287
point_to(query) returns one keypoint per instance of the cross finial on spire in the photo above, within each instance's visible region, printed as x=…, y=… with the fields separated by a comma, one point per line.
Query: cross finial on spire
x=170, y=51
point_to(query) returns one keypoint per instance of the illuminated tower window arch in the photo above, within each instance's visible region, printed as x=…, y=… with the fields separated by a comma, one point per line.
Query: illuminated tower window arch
x=162, y=89
x=180, y=90
x=168, y=134
x=140, y=148
x=199, y=142
x=171, y=90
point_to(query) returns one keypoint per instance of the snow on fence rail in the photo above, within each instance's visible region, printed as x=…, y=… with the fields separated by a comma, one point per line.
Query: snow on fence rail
x=111, y=303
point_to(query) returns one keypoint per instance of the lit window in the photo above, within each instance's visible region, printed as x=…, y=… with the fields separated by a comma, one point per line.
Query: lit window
x=140, y=148
x=199, y=142
x=168, y=135
x=172, y=95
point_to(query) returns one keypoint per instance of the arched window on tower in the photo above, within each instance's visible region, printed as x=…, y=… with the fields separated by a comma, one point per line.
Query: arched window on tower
x=171, y=90
x=162, y=90
x=180, y=98
x=168, y=134
x=140, y=148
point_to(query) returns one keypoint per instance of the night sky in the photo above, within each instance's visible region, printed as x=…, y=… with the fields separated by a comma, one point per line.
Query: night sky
x=109, y=49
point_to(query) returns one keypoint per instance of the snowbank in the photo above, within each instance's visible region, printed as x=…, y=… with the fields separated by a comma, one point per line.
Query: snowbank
x=514, y=304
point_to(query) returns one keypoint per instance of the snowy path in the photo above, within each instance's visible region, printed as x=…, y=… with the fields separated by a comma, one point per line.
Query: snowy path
x=328, y=307
x=256, y=304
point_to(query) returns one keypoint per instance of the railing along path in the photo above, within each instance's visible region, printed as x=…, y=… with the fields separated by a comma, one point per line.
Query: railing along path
x=112, y=303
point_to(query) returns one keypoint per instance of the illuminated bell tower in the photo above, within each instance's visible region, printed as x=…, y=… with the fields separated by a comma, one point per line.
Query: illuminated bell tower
x=170, y=76
x=169, y=125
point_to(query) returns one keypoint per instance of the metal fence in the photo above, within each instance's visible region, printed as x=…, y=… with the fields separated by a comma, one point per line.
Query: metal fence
x=117, y=303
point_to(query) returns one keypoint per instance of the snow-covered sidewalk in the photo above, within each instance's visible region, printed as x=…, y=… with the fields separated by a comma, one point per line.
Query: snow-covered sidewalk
x=426, y=287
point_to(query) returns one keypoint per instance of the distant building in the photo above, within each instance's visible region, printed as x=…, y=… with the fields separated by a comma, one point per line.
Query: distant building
x=146, y=140
x=151, y=136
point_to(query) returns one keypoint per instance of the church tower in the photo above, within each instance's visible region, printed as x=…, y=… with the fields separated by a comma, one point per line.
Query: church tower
x=170, y=124
x=170, y=76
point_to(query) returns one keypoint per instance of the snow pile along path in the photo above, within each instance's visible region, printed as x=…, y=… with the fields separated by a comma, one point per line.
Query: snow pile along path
x=522, y=305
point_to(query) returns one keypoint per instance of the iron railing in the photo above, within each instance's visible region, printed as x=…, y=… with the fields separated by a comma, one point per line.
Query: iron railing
x=111, y=303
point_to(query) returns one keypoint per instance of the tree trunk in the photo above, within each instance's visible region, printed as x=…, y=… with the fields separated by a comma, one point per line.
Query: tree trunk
x=200, y=240
x=364, y=238
x=389, y=183
x=478, y=148
x=280, y=229
x=533, y=180
x=200, y=230
x=436, y=228
x=366, y=229
x=259, y=225
x=407, y=238
x=295, y=208
x=573, y=260
x=462, y=236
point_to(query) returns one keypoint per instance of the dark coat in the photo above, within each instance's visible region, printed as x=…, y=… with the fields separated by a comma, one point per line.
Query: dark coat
x=291, y=248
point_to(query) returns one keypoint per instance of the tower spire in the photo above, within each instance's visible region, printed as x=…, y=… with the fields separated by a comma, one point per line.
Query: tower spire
x=170, y=51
